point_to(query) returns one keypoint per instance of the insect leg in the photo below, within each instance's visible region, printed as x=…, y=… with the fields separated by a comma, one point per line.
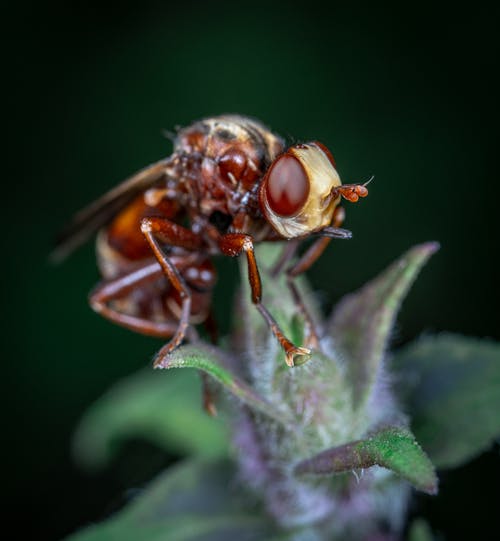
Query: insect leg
x=308, y=258
x=233, y=244
x=285, y=256
x=118, y=288
x=305, y=262
x=155, y=229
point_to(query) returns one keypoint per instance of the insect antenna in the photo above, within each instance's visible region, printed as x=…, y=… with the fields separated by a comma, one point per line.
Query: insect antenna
x=368, y=181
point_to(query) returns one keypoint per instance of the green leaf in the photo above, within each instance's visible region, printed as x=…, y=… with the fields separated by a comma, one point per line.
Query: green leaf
x=452, y=392
x=164, y=409
x=393, y=448
x=420, y=531
x=204, y=358
x=193, y=501
x=362, y=322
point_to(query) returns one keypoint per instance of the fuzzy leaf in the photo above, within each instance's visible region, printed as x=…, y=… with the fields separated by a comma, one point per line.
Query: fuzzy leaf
x=393, y=448
x=164, y=409
x=362, y=322
x=204, y=358
x=192, y=501
x=452, y=391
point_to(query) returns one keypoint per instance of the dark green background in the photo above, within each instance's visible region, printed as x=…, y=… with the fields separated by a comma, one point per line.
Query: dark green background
x=406, y=93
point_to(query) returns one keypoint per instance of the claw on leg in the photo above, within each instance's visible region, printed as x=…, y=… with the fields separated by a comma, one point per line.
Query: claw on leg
x=296, y=356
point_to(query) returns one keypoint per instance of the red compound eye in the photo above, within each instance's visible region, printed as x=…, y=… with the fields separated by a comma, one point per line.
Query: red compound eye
x=327, y=152
x=287, y=186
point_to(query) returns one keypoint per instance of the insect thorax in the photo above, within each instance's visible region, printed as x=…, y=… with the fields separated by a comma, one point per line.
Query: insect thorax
x=231, y=153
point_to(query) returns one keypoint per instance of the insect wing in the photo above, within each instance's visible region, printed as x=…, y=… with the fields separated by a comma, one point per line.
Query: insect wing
x=91, y=218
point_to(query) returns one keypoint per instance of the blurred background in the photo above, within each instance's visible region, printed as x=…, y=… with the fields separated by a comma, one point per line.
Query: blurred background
x=408, y=94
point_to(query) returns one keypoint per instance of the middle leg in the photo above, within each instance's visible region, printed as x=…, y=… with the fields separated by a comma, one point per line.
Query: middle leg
x=308, y=258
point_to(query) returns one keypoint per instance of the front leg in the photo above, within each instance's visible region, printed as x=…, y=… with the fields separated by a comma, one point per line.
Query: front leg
x=233, y=244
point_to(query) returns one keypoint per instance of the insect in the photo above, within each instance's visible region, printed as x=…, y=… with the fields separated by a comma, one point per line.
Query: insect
x=230, y=183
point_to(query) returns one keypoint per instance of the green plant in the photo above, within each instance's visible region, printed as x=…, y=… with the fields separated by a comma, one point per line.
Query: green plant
x=323, y=451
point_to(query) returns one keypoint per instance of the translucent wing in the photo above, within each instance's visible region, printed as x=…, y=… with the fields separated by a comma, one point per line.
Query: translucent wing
x=90, y=219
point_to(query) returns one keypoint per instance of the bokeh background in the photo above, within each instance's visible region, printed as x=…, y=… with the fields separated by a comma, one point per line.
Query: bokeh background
x=407, y=93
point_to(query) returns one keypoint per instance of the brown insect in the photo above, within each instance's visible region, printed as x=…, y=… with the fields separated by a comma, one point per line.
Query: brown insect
x=229, y=183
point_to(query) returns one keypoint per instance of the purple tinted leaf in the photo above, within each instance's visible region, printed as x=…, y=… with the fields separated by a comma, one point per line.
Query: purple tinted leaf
x=393, y=448
x=362, y=322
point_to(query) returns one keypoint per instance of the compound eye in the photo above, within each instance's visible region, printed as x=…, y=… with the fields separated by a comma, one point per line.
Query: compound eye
x=287, y=186
x=327, y=152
